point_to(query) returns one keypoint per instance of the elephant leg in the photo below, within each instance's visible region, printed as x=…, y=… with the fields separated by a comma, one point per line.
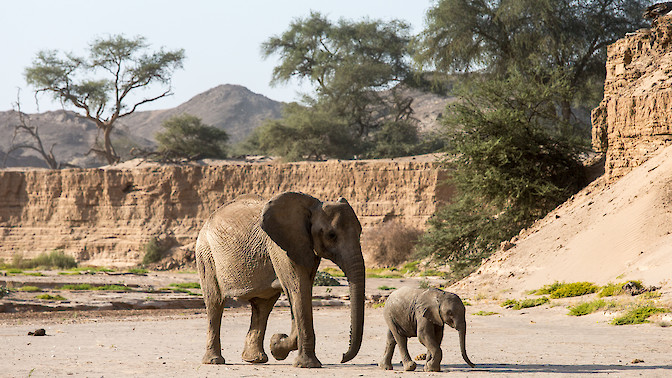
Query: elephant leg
x=299, y=288
x=406, y=360
x=386, y=362
x=430, y=336
x=214, y=304
x=254, y=347
x=281, y=344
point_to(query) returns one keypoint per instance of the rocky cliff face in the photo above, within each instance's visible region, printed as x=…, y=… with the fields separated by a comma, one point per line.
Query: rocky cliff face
x=104, y=216
x=634, y=119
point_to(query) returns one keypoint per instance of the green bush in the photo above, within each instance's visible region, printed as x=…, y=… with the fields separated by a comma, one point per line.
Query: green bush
x=565, y=290
x=525, y=303
x=54, y=259
x=29, y=289
x=575, y=289
x=485, y=313
x=83, y=286
x=385, y=287
x=638, y=315
x=153, y=251
x=610, y=289
x=187, y=285
x=50, y=297
x=325, y=279
x=590, y=307
x=334, y=272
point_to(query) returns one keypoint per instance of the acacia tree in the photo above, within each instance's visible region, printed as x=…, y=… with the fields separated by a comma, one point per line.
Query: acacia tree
x=127, y=67
x=355, y=68
x=186, y=136
x=538, y=37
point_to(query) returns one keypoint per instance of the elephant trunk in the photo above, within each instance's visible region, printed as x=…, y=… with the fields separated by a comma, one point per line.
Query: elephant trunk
x=462, y=330
x=354, y=271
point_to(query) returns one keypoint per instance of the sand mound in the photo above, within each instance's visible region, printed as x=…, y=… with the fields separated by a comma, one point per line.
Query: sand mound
x=608, y=232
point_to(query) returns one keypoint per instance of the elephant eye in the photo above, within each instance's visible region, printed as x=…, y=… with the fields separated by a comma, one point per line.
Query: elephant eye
x=331, y=235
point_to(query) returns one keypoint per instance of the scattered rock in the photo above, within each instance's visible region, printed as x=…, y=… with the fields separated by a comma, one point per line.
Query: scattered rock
x=38, y=332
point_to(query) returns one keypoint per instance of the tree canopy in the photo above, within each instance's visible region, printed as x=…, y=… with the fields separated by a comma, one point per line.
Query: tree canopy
x=99, y=87
x=355, y=68
x=185, y=136
x=539, y=37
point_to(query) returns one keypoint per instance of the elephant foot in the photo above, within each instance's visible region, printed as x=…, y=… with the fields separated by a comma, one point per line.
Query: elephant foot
x=410, y=366
x=432, y=367
x=278, y=350
x=385, y=365
x=213, y=359
x=305, y=361
x=255, y=357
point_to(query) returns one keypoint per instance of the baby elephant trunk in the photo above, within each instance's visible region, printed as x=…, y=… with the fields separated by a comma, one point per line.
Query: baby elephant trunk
x=462, y=330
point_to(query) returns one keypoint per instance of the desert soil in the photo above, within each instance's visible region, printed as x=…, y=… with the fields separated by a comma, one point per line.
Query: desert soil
x=541, y=341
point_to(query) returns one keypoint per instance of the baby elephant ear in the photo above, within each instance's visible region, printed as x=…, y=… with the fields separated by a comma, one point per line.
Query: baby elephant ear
x=342, y=200
x=286, y=219
x=432, y=313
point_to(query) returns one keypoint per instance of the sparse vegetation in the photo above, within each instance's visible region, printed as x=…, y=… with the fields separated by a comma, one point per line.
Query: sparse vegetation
x=586, y=308
x=565, y=290
x=485, y=313
x=187, y=285
x=4, y=291
x=325, y=279
x=49, y=297
x=638, y=315
x=525, y=303
x=30, y=289
x=86, y=286
x=138, y=271
x=153, y=251
x=385, y=287
x=383, y=273
x=334, y=272
x=389, y=244
x=610, y=290
x=56, y=259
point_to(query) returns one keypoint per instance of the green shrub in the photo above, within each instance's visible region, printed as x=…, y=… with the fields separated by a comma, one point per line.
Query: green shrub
x=54, y=259
x=14, y=271
x=610, y=289
x=525, y=303
x=575, y=289
x=485, y=313
x=50, y=297
x=334, y=272
x=112, y=288
x=29, y=289
x=138, y=271
x=586, y=308
x=83, y=286
x=153, y=251
x=187, y=285
x=565, y=290
x=638, y=315
x=385, y=287
x=36, y=274
x=325, y=279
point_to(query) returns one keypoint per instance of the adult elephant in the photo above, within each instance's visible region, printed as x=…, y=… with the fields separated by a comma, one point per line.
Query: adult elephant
x=253, y=250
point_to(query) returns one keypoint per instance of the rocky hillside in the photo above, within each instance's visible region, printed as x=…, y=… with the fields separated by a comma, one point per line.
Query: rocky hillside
x=620, y=227
x=634, y=119
x=104, y=216
x=232, y=108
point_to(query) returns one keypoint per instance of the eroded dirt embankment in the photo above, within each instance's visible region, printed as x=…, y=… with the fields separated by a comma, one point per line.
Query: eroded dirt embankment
x=104, y=216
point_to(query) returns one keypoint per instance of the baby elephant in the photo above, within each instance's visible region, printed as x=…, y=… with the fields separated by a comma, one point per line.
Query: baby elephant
x=413, y=312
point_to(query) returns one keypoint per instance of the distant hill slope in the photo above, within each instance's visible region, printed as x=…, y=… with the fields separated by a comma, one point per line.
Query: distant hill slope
x=232, y=108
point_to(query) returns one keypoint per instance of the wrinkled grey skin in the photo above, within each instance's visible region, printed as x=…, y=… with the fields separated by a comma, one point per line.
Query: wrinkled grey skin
x=253, y=250
x=411, y=312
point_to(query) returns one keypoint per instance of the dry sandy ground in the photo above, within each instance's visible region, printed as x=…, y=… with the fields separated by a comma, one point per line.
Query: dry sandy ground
x=533, y=342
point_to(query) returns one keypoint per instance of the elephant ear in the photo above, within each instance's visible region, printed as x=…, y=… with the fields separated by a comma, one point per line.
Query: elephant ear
x=432, y=309
x=286, y=219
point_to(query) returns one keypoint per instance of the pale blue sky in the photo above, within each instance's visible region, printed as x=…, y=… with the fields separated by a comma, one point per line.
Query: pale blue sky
x=221, y=38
